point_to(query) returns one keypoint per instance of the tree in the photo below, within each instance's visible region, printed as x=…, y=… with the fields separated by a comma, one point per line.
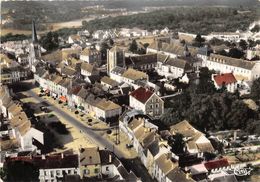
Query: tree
x=216, y=41
x=3, y=173
x=50, y=41
x=146, y=45
x=206, y=85
x=103, y=49
x=255, y=90
x=256, y=28
x=236, y=53
x=243, y=44
x=21, y=171
x=84, y=23
x=133, y=46
x=223, y=52
x=251, y=43
x=177, y=143
x=198, y=41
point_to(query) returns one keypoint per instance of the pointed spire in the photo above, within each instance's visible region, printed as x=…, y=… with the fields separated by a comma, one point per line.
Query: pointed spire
x=186, y=52
x=34, y=34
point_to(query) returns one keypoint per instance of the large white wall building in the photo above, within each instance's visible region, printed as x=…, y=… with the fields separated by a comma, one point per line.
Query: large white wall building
x=243, y=70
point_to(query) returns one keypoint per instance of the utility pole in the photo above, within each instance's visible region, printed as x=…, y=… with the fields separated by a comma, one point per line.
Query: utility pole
x=117, y=135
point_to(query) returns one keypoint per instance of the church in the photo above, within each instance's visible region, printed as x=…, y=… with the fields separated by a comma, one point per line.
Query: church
x=35, y=50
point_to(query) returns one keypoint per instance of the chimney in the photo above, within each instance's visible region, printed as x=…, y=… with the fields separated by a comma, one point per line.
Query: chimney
x=62, y=155
x=110, y=158
x=235, y=135
x=43, y=157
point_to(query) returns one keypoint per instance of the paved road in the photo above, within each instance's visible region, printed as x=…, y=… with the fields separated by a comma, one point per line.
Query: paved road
x=97, y=138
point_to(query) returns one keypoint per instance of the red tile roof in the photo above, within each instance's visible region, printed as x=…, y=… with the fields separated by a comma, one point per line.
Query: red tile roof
x=214, y=164
x=225, y=79
x=142, y=94
x=50, y=161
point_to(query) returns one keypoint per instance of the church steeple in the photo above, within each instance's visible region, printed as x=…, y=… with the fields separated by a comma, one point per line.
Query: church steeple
x=186, y=52
x=35, y=48
x=34, y=34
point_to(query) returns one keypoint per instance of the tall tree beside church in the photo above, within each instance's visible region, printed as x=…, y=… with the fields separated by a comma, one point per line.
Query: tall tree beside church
x=133, y=46
x=104, y=46
x=198, y=41
x=50, y=41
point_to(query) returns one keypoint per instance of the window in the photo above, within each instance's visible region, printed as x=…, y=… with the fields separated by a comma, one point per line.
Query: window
x=58, y=172
x=52, y=173
x=96, y=170
x=107, y=168
x=151, y=106
x=75, y=171
x=86, y=171
x=156, y=105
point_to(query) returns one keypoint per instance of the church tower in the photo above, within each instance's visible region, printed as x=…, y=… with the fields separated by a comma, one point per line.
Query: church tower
x=35, y=48
x=115, y=57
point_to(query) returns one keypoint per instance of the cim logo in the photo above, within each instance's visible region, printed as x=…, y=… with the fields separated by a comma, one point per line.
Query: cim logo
x=242, y=171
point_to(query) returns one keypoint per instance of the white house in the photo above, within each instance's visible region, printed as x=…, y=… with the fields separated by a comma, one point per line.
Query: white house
x=173, y=68
x=196, y=142
x=90, y=55
x=108, y=82
x=226, y=36
x=99, y=34
x=116, y=73
x=105, y=109
x=146, y=101
x=225, y=80
x=166, y=30
x=52, y=167
x=242, y=70
x=74, y=39
x=131, y=76
x=87, y=69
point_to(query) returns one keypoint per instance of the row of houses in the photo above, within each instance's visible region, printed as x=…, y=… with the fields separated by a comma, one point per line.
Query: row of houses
x=156, y=154
x=243, y=70
x=90, y=163
x=75, y=94
x=11, y=71
x=114, y=33
x=16, y=128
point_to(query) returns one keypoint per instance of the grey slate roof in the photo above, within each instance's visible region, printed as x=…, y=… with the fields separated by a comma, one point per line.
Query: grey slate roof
x=178, y=63
x=141, y=59
x=118, y=70
x=232, y=61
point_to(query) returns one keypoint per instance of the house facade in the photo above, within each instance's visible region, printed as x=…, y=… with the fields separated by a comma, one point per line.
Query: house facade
x=90, y=55
x=146, y=101
x=226, y=80
x=242, y=70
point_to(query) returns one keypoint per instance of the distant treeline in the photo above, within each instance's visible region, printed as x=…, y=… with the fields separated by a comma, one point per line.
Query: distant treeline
x=22, y=12
x=193, y=20
x=13, y=37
